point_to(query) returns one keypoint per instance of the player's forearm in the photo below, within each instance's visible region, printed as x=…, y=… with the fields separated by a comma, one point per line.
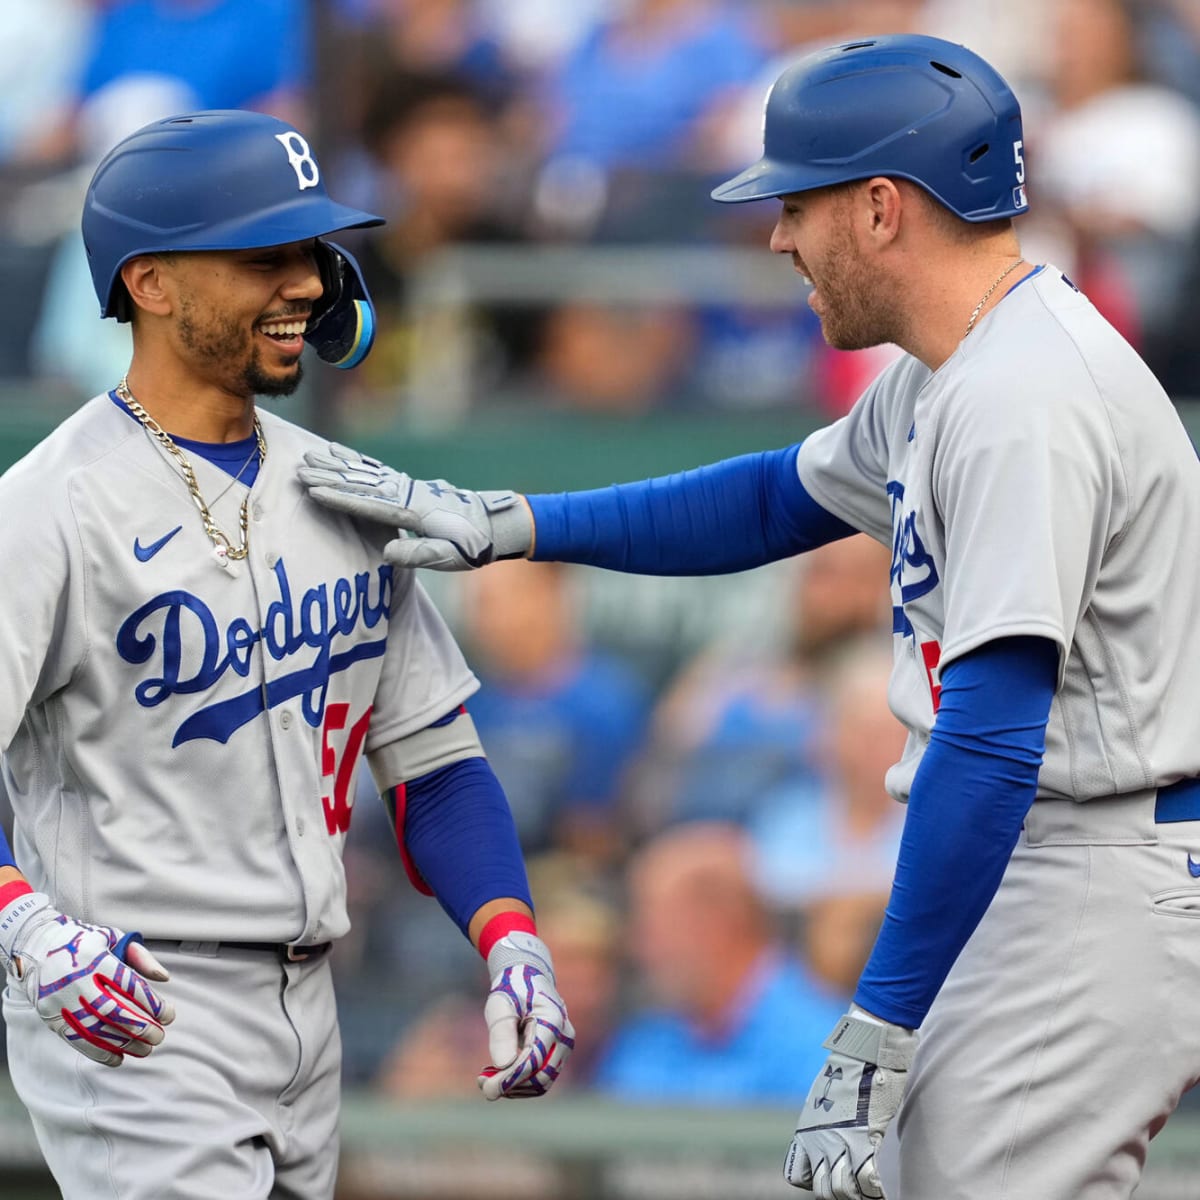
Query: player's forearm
x=969, y=797
x=729, y=516
x=457, y=829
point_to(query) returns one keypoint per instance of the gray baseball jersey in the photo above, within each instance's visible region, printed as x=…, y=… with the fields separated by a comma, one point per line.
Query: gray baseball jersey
x=1039, y=483
x=182, y=736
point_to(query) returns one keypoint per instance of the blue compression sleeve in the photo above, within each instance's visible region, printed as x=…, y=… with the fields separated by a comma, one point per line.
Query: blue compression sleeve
x=971, y=792
x=730, y=516
x=459, y=832
x=6, y=854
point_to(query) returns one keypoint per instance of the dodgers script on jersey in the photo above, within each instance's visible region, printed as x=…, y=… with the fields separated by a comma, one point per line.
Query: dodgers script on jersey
x=295, y=665
x=1020, y=500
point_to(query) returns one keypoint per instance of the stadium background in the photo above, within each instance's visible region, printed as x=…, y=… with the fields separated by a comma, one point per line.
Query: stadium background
x=561, y=306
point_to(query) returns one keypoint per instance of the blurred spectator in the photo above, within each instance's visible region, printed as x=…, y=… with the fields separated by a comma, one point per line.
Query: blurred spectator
x=440, y=158
x=598, y=358
x=838, y=933
x=735, y=725
x=842, y=835
x=635, y=94
x=1120, y=158
x=42, y=52
x=229, y=54
x=731, y=1017
x=560, y=721
x=442, y=1050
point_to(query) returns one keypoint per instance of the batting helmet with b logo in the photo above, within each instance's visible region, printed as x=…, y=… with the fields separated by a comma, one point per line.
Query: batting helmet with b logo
x=218, y=180
x=907, y=106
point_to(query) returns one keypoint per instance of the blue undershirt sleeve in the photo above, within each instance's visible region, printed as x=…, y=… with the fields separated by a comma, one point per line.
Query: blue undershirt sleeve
x=970, y=795
x=729, y=516
x=459, y=832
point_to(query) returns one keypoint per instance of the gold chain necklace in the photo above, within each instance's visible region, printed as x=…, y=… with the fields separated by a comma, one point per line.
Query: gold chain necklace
x=988, y=295
x=224, y=547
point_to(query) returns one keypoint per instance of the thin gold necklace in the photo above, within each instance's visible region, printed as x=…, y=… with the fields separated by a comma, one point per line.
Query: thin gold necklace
x=988, y=295
x=224, y=547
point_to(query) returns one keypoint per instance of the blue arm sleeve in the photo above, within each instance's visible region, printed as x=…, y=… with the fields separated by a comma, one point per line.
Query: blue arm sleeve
x=730, y=516
x=974, y=786
x=6, y=854
x=459, y=832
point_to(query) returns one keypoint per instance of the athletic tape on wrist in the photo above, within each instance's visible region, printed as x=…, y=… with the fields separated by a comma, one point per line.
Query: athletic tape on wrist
x=499, y=925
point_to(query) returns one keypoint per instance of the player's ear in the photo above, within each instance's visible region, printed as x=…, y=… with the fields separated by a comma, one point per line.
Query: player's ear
x=884, y=202
x=146, y=284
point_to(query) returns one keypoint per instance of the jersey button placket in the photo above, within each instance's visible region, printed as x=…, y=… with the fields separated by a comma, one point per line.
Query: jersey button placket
x=285, y=720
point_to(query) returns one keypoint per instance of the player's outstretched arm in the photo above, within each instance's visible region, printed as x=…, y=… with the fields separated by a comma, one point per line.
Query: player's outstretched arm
x=729, y=516
x=89, y=983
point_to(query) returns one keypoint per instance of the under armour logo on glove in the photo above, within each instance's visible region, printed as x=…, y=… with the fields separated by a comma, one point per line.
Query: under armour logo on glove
x=529, y=1032
x=849, y=1107
x=89, y=983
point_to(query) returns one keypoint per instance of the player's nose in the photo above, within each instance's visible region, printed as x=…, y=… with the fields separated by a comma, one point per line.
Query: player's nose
x=781, y=241
x=303, y=279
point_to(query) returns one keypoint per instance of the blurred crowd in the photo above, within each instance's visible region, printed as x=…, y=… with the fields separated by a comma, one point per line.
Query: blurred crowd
x=515, y=146
x=709, y=839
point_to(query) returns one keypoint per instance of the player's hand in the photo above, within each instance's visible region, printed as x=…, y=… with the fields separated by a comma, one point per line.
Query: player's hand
x=449, y=528
x=849, y=1107
x=89, y=983
x=529, y=1032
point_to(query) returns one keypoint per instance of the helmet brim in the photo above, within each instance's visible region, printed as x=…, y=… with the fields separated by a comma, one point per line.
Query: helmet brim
x=767, y=179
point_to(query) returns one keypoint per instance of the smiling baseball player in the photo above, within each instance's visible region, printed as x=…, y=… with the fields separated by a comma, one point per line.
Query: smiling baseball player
x=1042, y=503
x=196, y=657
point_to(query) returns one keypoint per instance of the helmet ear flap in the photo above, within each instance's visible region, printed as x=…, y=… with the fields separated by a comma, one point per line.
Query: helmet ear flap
x=342, y=326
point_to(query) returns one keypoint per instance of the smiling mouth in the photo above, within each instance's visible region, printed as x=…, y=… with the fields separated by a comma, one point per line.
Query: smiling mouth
x=286, y=334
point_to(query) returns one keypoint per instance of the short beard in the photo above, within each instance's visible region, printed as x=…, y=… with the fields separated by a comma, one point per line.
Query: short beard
x=854, y=319
x=223, y=343
x=261, y=384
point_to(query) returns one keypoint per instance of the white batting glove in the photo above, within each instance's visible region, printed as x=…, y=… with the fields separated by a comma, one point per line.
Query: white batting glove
x=87, y=982
x=529, y=1032
x=449, y=528
x=849, y=1107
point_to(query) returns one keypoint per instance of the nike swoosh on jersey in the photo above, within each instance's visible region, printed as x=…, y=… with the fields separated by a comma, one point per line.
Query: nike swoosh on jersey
x=1193, y=867
x=146, y=553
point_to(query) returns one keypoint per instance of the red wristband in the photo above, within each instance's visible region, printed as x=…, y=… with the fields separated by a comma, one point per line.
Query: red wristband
x=10, y=891
x=499, y=925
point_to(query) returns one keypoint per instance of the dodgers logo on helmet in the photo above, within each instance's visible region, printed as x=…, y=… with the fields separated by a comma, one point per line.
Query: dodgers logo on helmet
x=217, y=180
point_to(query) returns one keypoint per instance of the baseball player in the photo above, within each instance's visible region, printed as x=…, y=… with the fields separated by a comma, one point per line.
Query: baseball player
x=196, y=657
x=1025, y=1023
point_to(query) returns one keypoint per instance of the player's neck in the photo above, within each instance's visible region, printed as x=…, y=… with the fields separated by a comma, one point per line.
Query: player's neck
x=957, y=296
x=189, y=408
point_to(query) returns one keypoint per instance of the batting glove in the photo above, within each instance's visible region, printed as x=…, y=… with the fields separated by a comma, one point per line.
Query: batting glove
x=849, y=1107
x=87, y=982
x=529, y=1032
x=449, y=528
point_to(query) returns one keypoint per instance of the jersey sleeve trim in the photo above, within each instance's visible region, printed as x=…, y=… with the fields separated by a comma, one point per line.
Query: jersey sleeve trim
x=437, y=745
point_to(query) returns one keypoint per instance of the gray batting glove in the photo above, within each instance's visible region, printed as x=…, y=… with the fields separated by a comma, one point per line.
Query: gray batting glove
x=87, y=982
x=529, y=1032
x=849, y=1107
x=449, y=528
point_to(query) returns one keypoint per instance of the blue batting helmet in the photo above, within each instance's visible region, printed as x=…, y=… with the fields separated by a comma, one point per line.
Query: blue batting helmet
x=218, y=180
x=907, y=106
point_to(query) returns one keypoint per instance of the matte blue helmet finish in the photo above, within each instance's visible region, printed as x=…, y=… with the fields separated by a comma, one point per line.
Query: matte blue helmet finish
x=217, y=180
x=908, y=107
